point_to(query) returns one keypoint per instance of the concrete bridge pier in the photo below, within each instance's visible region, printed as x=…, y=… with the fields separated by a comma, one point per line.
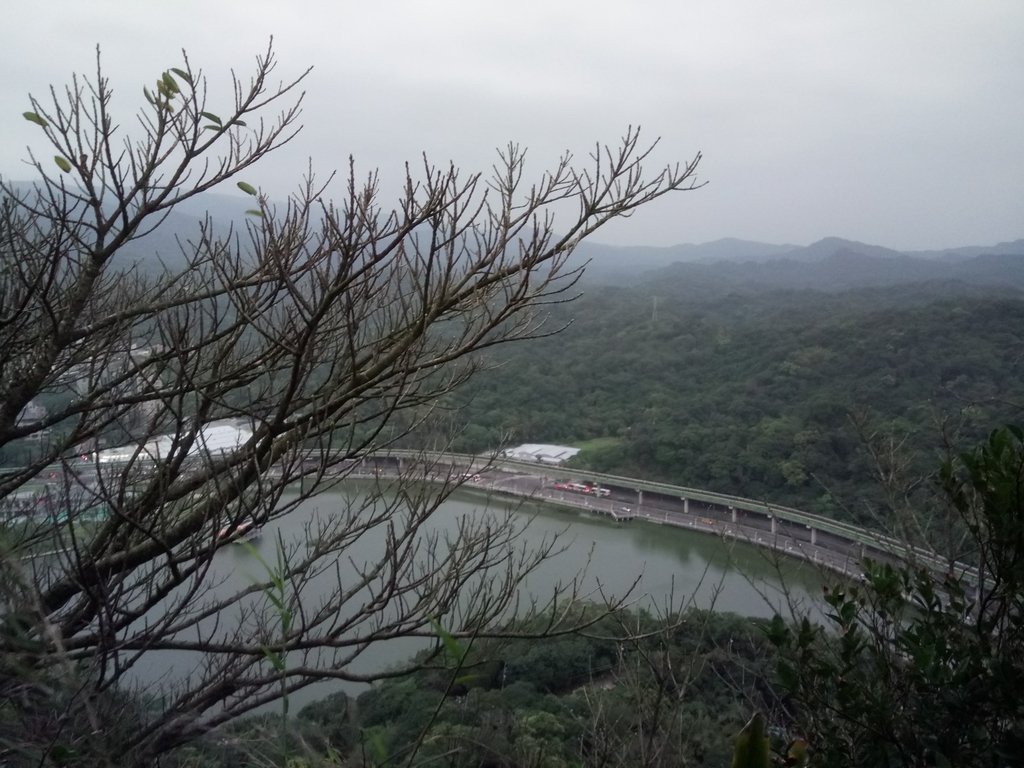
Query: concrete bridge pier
x=732, y=514
x=639, y=497
x=814, y=534
x=775, y=524
x=686, y=506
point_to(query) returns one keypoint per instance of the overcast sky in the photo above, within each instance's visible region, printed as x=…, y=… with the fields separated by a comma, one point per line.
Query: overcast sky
x=895, y=123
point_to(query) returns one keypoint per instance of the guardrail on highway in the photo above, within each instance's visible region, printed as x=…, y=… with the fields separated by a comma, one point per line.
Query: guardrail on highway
x=848, y=531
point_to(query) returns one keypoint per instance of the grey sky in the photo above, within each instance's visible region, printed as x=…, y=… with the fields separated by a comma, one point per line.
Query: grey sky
x=896, y=123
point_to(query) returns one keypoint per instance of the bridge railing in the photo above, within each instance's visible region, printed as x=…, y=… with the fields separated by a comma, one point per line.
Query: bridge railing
x=848, y=531
x=844, y=530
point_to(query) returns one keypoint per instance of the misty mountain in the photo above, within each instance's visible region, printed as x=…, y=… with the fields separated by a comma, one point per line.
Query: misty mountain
x=608, y=260
x=226, y=215
x=843, y=271
x=1011, y=248
x=222, y=209
x=612, y=262
x=837, y=247
x=163, y=245
x=727, y=265
x=831, y=264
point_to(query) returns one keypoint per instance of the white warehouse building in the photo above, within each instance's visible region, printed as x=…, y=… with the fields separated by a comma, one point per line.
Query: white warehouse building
x=218, y=437
x=541, y=452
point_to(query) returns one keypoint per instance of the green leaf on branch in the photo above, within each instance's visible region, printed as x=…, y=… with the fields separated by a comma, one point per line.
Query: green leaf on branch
x=254, y=212
x=249, y=189
x=797, y=754
x=212, y=117
x=752, y=745
x=170, y=84
x=240, y=123
x=454, y=650
x=378, y=750
x=32, y=117
x=275, y=658
x=62, y=163
x=182, y=74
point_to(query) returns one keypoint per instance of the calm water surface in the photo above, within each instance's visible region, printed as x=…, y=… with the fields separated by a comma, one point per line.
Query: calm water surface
x=654, y=564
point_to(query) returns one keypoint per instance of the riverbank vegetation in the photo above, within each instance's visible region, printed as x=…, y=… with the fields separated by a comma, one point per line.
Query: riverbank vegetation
x=635, y=689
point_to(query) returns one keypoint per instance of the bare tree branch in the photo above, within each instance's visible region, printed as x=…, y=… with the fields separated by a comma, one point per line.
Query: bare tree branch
x=315, y=335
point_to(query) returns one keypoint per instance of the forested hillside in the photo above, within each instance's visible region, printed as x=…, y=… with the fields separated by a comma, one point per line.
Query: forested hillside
x=674, y=693
x=779, y=394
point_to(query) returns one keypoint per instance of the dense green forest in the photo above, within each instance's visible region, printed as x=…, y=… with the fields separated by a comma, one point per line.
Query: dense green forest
x=799, y=397
x=678, y=692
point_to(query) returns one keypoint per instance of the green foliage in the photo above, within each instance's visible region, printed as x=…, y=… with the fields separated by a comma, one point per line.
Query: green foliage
x=752, y=750
x=675, y=693
x=33, y=117
x=328, y=723
x=772, y=396
x=454, y=650
x=917, y=668
x=602, y=454
x=276, y=591
x=402, y=708
x=560, y=664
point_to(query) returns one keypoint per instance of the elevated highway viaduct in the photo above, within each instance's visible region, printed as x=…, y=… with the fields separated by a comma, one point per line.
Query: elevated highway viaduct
x=834, y=544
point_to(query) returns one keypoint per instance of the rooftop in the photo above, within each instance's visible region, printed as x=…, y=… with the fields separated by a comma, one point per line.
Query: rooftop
x=218, y=437
x=542, y=452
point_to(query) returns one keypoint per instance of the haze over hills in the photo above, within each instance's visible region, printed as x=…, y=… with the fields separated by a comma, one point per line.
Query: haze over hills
x=728, y=264
x=649, y=257
x=180, y=225
x=845, y=270
x=733, y=250
x=829, y=264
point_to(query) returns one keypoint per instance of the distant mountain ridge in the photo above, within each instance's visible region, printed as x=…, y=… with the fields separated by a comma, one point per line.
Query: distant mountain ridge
x=839, y=272
x=831, y=247
x=830, y=264
x=732, y=249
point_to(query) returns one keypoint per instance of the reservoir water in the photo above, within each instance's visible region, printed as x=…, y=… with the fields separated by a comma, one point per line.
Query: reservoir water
x=653, y=564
